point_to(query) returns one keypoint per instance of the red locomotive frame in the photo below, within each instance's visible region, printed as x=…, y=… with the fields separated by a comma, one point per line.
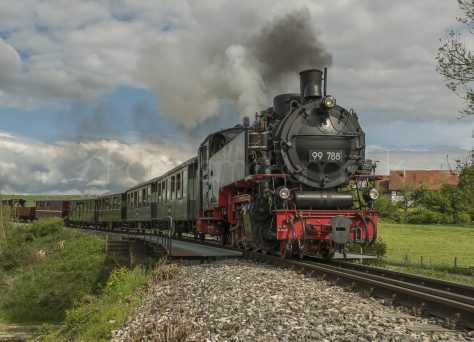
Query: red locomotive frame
x=308, y=229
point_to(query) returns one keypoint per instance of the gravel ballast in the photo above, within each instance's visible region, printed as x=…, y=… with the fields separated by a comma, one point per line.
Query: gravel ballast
x=234, y=300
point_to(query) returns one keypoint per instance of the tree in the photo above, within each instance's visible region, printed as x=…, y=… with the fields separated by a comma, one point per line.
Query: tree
x=456, y=62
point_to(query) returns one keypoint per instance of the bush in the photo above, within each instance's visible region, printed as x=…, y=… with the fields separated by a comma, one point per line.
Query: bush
x=378, y=248
x=387, y=210
x=462, y=218
x=426, y=216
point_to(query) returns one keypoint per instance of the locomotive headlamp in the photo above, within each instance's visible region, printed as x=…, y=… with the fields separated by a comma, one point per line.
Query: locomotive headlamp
x=373, y=194
x=329, y=101
x=283, y=192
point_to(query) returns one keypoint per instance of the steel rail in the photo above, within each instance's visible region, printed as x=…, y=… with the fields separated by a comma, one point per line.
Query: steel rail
x=459, y=309
x=443, y=285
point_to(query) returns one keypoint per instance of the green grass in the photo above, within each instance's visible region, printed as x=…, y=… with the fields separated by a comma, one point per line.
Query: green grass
x=40, y=280
x=465, y=276
x=439, y=244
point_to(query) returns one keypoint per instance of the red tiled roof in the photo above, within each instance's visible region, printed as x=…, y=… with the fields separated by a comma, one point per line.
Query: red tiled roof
x=382, y=183
x=434, y=179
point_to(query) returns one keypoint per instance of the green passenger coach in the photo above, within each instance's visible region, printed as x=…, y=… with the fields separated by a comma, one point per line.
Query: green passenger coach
x=169, y=198
x=111, y=209
x=83, y=211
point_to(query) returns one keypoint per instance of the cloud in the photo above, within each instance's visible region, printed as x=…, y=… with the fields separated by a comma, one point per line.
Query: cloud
x=196, y=55
x=28, y=166
x=414, y=158
x=208, y=63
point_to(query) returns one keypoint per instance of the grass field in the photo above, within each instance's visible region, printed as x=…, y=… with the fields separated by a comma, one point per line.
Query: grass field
x=437, y=244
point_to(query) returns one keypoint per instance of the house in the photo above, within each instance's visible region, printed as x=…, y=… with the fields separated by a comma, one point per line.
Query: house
x=401, y=180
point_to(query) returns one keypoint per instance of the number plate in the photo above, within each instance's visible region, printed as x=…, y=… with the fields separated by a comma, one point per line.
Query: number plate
x=326, y=156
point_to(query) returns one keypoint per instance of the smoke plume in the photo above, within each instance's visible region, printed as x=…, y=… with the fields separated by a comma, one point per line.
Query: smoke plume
x=194, y=72
x=288, y=45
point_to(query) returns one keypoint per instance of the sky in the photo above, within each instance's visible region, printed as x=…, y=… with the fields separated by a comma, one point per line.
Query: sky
x=100, y=95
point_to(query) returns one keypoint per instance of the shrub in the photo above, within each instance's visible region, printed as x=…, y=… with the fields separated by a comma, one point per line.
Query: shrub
x=386, y=209
x=378, y=248
x=462, y=218
x=426, y=216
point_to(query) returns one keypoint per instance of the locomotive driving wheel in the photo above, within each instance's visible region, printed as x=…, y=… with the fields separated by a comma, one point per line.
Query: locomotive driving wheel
x=327, y=254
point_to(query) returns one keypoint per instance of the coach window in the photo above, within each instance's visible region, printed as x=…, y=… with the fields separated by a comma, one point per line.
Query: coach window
x=149, y=194
x=158, y=193
x=144, y=196
x=173, y=187
x=168, y=189
x=185, y=182
x=178, y=186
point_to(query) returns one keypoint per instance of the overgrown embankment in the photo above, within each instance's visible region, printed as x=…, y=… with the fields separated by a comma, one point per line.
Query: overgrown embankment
x=97, y=315
x=46, y=269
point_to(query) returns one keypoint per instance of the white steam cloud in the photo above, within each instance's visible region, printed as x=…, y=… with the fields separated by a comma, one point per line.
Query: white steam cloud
x=192, y=72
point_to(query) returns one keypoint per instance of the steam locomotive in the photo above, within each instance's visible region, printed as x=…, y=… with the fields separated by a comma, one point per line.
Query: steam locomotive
x=294, y=182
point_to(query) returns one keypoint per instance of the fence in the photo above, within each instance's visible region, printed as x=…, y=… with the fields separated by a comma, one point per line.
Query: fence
x=427, y=262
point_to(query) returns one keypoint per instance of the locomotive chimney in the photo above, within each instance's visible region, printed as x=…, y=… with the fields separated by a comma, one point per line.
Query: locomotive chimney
x=310, y=84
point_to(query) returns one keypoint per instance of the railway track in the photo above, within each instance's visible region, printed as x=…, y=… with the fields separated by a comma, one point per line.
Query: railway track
x=437, y=284
x=447, y=300
x=451, y=301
